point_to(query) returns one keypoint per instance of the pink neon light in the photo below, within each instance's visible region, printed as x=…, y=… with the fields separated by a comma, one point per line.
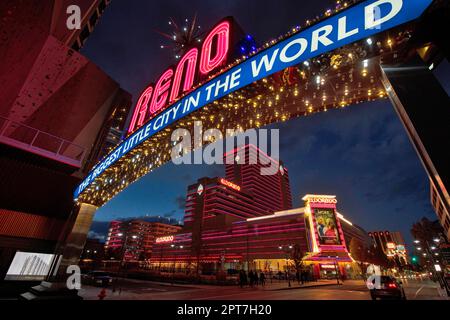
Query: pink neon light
x=140, y=110
x=230, y=184
x=222, y=32
x=236, y=150
x=191, y=59
x=161, y=92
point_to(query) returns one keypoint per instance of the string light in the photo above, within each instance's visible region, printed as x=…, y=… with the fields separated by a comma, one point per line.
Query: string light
x=269, y=100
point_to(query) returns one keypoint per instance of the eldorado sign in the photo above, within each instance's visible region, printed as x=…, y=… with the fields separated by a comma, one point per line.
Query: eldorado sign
x=358, y=22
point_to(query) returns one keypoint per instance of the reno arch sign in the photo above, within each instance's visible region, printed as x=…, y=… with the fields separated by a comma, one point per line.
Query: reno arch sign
x=158, y=107
x=174, y=83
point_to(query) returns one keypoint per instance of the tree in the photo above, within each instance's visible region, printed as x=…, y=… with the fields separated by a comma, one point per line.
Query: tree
x=297, y=256
x=426, y=230
x=359, y=252
x=377, y=257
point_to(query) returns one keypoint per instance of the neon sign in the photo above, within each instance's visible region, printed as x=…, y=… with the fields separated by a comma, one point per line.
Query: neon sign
x=167, y=90
x=166, y=239
x=230, y=184
x=353, y=24
x=323, y=200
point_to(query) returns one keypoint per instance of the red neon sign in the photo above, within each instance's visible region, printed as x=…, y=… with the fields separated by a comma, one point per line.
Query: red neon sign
x=222, y=32
x=141, y=108
x=169, y=86
x=230, y=184
x=166, y=239
x=190, y=60
x=161, y=92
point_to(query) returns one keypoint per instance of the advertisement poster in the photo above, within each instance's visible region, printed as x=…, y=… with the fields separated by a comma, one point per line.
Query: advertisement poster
x=327, y=227
x=29, y=266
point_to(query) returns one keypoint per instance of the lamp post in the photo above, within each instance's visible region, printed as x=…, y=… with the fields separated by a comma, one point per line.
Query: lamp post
x=287, y=250
x=124, y=248
x=173, y=246
x=430, y=250
x=336, y=265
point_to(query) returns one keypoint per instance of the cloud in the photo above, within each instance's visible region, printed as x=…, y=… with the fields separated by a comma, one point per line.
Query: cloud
x=180, y=201
x=98, y=236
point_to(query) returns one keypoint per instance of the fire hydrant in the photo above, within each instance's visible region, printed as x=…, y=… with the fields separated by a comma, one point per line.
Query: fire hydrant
x=102, y=294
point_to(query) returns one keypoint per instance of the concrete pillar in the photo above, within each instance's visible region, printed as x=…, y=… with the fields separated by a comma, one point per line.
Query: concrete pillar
x=68, y=253
x=74, y=244
x=423, y=106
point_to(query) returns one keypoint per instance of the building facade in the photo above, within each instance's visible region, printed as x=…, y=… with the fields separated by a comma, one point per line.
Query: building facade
x=133, y=240
x=270, y=243
x=393, y=246
x=245, y=167
x=441, y=209
x=56, y=106
x=246, y=221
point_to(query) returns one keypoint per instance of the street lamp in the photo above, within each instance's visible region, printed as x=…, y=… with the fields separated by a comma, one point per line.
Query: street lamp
x=173, y=246
x=287, y=251
x=429, y=251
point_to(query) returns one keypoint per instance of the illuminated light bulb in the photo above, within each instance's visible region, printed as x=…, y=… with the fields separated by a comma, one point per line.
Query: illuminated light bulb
x=369, y=41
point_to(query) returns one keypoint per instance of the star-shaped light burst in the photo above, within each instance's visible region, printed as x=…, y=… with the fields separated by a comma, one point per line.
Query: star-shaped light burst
x=182, y=38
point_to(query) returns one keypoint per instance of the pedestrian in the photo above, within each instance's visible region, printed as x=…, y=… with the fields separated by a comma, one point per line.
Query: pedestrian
x=262, y=279
x=297, y=276
x=102, y=294
x=114, y=285
x=251, y=277
x=242, y=278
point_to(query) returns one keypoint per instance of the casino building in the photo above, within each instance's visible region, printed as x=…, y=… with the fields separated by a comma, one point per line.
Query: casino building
x=133, y=240
x=246, y=220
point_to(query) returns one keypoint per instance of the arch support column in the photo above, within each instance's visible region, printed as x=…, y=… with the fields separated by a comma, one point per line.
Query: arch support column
x=423, y=106
x=67, y=254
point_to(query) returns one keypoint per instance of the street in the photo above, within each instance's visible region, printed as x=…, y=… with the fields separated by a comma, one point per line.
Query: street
x=322, y=290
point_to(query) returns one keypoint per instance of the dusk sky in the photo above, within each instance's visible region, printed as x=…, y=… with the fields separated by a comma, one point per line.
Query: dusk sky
x=361, y=153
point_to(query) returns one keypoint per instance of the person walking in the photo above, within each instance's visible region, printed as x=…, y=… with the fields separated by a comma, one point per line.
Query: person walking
x=262, y=279
x=242, y=280
x=251, y=277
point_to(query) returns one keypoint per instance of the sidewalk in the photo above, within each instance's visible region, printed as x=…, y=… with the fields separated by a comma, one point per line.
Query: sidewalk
x=294, y=285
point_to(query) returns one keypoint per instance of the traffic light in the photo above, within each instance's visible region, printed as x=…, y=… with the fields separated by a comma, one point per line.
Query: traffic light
x=414, y=259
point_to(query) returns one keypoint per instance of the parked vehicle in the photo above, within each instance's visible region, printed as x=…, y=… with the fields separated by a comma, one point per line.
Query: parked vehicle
x=97, y=278
x=387, y=288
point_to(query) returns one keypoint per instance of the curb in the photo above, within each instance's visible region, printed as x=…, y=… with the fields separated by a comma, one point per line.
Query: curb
x=308, y=287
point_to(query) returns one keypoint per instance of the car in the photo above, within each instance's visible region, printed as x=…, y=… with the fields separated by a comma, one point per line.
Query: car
x=388, y=287
x=97, y=278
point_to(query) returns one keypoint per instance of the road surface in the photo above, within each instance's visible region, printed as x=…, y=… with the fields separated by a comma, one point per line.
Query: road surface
x=350, y=290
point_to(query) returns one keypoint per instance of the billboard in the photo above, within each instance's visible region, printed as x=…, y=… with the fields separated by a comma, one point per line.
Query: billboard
x=29, y=266
x=326, y=226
